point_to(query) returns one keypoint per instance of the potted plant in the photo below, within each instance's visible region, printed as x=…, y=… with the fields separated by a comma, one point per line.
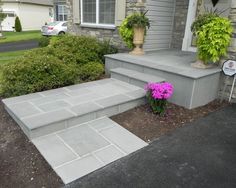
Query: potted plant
x=213, y=35
x=133, y=29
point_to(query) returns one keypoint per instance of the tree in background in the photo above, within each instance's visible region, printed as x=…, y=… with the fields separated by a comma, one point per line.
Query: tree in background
x=18, y=27
x=2, y=17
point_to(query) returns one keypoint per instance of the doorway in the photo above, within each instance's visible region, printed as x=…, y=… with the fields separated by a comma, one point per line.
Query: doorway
x=200, y=7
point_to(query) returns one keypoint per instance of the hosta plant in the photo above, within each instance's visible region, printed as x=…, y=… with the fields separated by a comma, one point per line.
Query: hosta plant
x=158, y=94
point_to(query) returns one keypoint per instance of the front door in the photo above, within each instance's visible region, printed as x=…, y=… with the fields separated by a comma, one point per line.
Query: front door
x=197, y=7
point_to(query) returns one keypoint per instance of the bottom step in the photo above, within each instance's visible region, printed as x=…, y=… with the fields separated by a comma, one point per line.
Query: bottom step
x=50, y=111
x=133, y=77
x=78, y=151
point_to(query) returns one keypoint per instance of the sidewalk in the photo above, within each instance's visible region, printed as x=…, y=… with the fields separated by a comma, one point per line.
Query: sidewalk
x=200, y=155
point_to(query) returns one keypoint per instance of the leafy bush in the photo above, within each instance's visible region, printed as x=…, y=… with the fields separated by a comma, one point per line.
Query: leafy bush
x=18, y=27
x=213, y=39
x=39, y=73
x=44, y=41
x=65, y=61
x=126, y=29
x=157, y=95
x=106, y=48
x=91, y=71
x=202, y=20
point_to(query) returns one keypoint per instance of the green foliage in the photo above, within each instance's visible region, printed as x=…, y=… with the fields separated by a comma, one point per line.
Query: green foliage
x=91, y=71
x=18, y=27
x=127, y=33
x=44, y=41
x=139, y=20
x=126, y=28
x=202, y=20
x=213, y=39
x=106, y=48
x=157, y=106
x=38, y=73
x=65, y=61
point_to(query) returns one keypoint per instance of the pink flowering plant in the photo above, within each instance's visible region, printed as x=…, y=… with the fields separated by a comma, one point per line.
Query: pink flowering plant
x=158, y=94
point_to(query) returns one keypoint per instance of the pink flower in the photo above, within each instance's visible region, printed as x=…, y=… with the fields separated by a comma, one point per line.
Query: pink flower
x=160, y=90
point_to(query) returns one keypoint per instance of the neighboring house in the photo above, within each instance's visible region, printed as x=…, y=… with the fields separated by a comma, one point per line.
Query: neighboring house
x=170, y=19
x=32, y=13
x=60, y=10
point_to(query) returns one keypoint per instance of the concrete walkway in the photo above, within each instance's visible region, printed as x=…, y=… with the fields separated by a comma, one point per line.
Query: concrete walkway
x=201, y=155
x=79, y=150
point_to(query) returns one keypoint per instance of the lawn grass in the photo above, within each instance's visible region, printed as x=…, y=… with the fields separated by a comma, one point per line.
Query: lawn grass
x=20, y=36
x=5, y=57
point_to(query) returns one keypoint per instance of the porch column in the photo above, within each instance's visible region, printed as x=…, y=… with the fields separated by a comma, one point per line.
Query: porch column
x=232, y=17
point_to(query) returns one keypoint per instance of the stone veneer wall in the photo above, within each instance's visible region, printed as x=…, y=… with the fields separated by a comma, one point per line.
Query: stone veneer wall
x=231, y=55
x=181, y=12
x=100, y=33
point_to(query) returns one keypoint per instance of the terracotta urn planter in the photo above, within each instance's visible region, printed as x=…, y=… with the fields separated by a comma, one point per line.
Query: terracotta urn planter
x=201, y=65
x=138, y=40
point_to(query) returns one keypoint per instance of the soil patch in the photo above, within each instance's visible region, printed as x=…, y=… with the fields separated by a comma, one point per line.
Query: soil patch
x=148, y=126
x=21, y=165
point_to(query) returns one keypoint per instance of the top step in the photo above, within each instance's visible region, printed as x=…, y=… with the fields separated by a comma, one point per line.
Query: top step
x=133, y=77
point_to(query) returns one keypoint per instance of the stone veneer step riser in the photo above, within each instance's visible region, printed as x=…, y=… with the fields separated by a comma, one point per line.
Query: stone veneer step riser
x=199, y=91
x=60, y=125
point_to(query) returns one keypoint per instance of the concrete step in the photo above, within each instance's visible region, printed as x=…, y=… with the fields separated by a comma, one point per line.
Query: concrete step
x=46, y=112
x=133, y=77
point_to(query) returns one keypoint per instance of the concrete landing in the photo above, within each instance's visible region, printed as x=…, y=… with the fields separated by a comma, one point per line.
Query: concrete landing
x=82, y=149
x=45, y=112
x=193, y=87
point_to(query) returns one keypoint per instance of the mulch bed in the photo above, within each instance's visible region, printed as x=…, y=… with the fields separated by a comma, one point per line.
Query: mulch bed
x=21, y=165
x=148, y=126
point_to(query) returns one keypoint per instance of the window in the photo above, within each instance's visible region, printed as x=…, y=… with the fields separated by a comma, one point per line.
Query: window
x=62, y=13
x=98, y=12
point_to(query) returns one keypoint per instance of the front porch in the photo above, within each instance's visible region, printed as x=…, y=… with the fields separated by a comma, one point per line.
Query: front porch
x=193, y=87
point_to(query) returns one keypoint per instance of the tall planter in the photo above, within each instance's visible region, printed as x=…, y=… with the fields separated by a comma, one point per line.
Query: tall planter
x=138, y=40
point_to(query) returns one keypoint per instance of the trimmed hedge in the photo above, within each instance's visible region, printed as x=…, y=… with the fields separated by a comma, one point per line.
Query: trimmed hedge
x=65, y=61
x=44, y=72
x=91, y=71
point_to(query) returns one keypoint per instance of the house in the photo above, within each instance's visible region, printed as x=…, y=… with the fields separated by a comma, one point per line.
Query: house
x=170, y=19
x=32, y=13
x=60, y=10
x=170, y=30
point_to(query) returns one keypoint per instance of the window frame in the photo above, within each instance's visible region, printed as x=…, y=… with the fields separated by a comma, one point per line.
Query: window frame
x=64, y=14
x=97, y=24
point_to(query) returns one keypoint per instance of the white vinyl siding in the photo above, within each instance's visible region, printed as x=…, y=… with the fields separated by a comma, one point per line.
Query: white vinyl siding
x=161, y=14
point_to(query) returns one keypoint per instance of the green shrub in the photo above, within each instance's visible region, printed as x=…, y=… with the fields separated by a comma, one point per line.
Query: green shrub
x=91, y=71
x=213, y=39
x=106, y=48
x=65, y=61
x=44, y=41
x=85, y=49
x=18, y=27
x=39, y=73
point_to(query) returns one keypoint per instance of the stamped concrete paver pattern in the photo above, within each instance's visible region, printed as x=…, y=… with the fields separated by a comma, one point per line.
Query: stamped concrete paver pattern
x=80, y=150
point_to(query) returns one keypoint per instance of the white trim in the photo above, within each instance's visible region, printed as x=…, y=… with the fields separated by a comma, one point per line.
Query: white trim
x=192, y=10
x=97, y=24
x=97, y=12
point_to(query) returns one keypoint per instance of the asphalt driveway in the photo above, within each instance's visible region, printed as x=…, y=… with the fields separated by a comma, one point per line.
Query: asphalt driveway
x=20, y=45
x=201, y=155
